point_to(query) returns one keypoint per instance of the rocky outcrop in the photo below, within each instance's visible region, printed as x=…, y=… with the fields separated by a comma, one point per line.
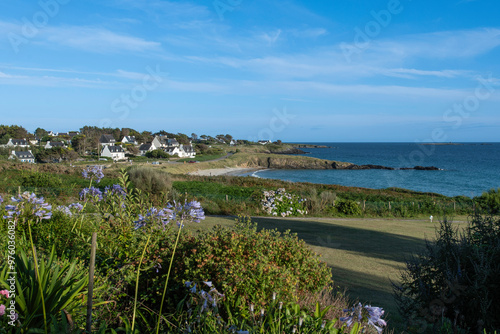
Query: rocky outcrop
x=291, y=162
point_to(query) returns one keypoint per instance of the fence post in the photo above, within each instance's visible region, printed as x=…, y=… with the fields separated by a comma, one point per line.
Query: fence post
x=226, y=198
x=389, y=206
x=364, y=205
x=454, y=209
x=91, y=282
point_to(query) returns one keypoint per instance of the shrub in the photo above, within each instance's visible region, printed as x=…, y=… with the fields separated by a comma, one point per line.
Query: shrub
x=248, y=265
x=157, y=154
x=454, y=280
x=490, y=201
x=150, y=180
x=40, y=180
x=281, y=203
x=348, y=207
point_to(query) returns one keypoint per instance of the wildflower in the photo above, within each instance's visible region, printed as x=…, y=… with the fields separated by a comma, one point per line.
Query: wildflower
x=374, y=317
x=274, y=295
x=153, y=215
x=30, y=204
x=2, y=310
x=1, y=199
x=5, y=293
x=65, y=210
x=93, y=194
x=251, y=308
x=93, y=172
x=78, y=206
x=115, y=189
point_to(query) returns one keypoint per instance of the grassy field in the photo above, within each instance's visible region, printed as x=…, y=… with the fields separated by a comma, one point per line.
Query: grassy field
x=364, y=254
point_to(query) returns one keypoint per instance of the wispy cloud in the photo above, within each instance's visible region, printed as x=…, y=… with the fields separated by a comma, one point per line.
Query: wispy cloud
x=99, y=40
x=442, y=45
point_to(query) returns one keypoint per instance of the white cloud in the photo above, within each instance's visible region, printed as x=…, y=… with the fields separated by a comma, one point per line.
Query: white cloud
x=99, y=40
x=442, y=45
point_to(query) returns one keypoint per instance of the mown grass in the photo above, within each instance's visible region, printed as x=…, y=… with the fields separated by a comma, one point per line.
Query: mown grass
x=364, y=254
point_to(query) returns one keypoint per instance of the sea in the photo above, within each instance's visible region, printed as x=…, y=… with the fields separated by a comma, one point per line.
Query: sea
x=465, y=169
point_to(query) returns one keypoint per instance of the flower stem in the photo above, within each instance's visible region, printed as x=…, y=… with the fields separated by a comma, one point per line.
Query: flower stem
x=38, y=278
x=168, y=276
x=137, y=282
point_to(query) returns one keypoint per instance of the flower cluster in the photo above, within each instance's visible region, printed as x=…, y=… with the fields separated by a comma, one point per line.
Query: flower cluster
x=281, y=203
x=92, y=194
x=70, y=209
x=93, y=172
x=206, y=299
x=154, y=217
x=115, y=189
x=189, y=211
x=30, y=204
x=1, y=199
x=371, y=314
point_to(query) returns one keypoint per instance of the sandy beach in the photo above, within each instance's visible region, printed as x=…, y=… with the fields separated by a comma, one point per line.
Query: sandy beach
x=232, y=171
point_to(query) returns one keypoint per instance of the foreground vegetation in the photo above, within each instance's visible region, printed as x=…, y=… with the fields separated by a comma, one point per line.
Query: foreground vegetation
x=238, y=277
x=221, y=280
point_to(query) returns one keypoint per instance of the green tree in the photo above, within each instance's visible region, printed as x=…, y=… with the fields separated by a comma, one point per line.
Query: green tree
x=157, y=154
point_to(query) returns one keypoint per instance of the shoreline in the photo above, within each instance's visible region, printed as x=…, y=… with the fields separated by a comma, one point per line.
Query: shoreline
x=229, y=171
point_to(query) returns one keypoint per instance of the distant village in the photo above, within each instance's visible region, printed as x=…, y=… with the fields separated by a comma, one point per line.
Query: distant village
x=105, y=144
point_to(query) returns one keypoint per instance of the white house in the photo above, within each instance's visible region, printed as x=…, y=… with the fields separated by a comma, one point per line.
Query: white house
x=113, y=152
x=163, y=141
x=52, y=144
x=264, y=142
x=107, y=140
x=187, y=151
x=17, y=142
x=23, y=156
x=173, y=151
x=129, y=140
x=144, y=148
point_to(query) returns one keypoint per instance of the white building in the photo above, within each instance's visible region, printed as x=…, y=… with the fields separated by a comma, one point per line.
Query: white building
x=17, y=142
x=113, y=152
x=23, y=156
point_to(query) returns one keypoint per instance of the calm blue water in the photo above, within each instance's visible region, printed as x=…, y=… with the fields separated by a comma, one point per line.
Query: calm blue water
x=468, y=169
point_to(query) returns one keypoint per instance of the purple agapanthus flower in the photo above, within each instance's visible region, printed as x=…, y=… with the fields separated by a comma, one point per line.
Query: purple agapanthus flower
x=179, y=213
x=93, y=194
x=78, y=207
x=115, y=189
x=64, y=209
x=154, y=216
x=93, y=172
x=28, y=201
x=371, y=314
x=187, y=211
x=1, y=199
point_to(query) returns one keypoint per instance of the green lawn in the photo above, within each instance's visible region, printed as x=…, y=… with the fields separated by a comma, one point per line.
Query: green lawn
x=364, y=254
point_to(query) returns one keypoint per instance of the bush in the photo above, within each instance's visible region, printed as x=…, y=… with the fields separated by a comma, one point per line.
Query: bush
x=490, y=201
x=348, y=207
x=248, y=265
x=150, y=180
x=40, y=180
x=157, y=154
x=281, y=203
x=455, y=280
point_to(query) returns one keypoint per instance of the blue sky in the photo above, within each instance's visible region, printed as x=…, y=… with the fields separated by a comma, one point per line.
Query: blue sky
x=337, y=70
